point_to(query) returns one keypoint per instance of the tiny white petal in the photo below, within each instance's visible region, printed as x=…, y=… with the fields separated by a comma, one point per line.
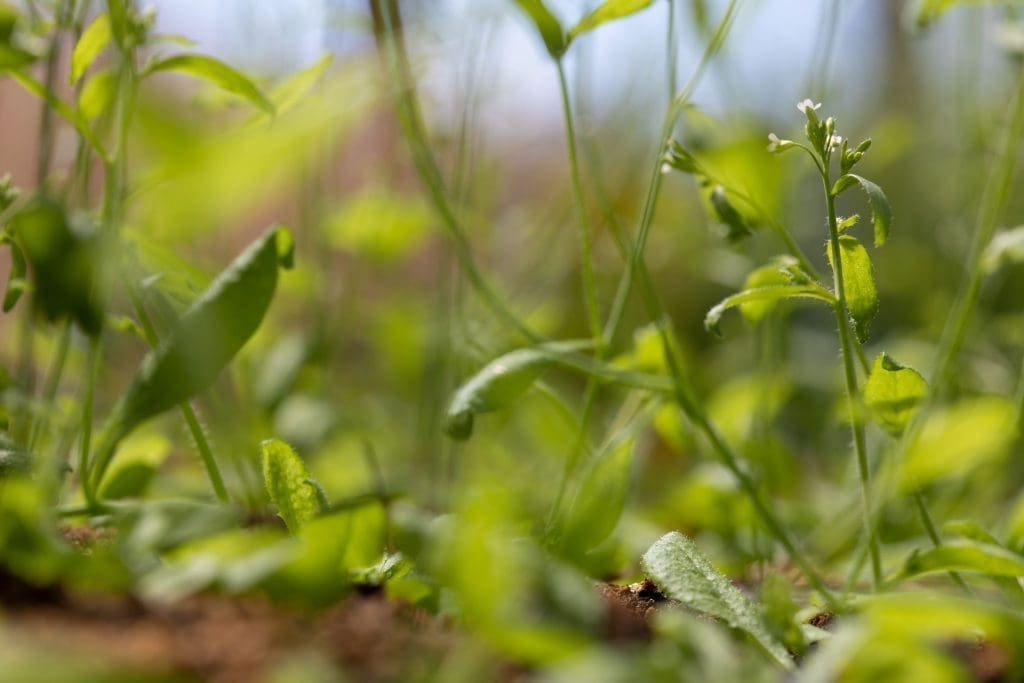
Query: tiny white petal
x=666, y=168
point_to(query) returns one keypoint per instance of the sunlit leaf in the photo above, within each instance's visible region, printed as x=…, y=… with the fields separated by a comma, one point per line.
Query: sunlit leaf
x=216, y=72
x=16, y=277
x=288, y=483
x=963, y=556
x=858, y=283
x=769, y=294
x=609, y=10
x=94, y=39
x=881, y=212
x=892, y=393
x=682, y=571
x=957, y=439
x=293, y=89
x=547, y=26
x=98, y=94
x=135, y=465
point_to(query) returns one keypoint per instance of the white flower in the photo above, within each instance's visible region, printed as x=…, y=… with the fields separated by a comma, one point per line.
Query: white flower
x=807, y=104
x=834, y=141
x=777, y=144
x=666, y=168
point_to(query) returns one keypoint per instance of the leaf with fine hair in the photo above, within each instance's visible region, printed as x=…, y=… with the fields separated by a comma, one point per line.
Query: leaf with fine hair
x=609, y=10
x=881, y=211
x=682, y=571
x=289, y=484
x=215, y=71
x=766, y=294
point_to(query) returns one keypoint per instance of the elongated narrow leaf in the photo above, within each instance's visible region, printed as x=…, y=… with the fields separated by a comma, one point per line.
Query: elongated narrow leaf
x=94, y=40
x=598, y=504
x=61, y=107
x=547, y=25
x=499, y=384
x=881, y=212
x=291, y=91
x=892, y=393
x=609, y=10
x=683, y=573
x=216, y=72
x=955, y=440
x=203, y=341
x=965, y=556
x=767, y=294
x=858, y=282
x=288, y=482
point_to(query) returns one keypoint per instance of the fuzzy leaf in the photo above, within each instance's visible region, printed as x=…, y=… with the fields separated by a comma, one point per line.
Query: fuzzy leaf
x=609, y=10
x=892, y=393
x=858, y=282
x=767, y=294
x=288, y=483
x=881, y=211
x=682, y=571
x=216, y=72
x=94, y=39
x=547, y=25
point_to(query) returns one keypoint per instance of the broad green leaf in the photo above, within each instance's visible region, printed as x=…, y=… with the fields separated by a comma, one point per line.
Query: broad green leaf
x=289, y=484
x=499, y=384
x=892, y=393
x=765, y=276
x=858, y=283
x=1005, y=248
x=963, y=556
x=135, y=466
x=768, y=294
x=608, y=10
x=203, y=341
x=547, y=25
x=97, y=94
x=63, y=264
x=16, y=277
x=216, y=72
x=682, y=571
x=970, y=530
x=598, y=504
x=955, y=440
x=881, y=212
x=94, y=39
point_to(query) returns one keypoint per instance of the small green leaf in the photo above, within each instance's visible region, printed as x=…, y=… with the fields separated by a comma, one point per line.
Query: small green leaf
x=955, y=440
x=94, y=40
x=892, y=393
x=547, y=25
x=881, y=212
x=97, y=94
x=608, y=10
x=682, y=571
x=287, y=481
x=765, y=276
x=202, y=342
x=598, y=504
x=767, y=294
x=858, y=283
x=216, y=72
x=135, y=466
x=727, y=213
x=16, y=278
x=499, y=384
x=964, y=556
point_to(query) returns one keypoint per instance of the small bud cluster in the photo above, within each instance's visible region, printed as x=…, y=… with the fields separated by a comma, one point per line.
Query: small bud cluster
x=823, y=138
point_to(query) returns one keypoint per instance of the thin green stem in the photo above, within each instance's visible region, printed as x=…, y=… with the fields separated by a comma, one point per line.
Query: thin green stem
x=60, y=357
x=933, y=534
x=85, y=441
x=852, y=392
x=583, y=223
x=671, y=52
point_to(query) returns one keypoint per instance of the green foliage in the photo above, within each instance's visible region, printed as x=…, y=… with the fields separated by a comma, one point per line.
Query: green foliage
x=216, y=72
x=965, y=556
x=768, y=294
x=289, y=484
x=12, y=54
x=547, y=25
x=94, y=40
x=685, y=574
x=609, y=10
x=892, y=393
x=881, y=212
x=859, y=283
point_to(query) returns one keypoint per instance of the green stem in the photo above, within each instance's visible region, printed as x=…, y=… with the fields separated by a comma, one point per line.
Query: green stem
x=583, y=223
x=933, y=534
x=850, y=372
x=60, y=357
x=84, y=474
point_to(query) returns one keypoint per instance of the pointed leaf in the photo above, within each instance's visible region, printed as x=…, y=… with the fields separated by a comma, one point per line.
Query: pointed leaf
x=216, y=72
x=767, y=294
x=881, y=212
x=858, y=282
x=964, y=556
x=288, y=483
x=16, y=277
x=892, y=393
x=547, y=25
x=609, y=10
x=726, y=212
x=683, y=573
x=955, y=440
x=94, y=39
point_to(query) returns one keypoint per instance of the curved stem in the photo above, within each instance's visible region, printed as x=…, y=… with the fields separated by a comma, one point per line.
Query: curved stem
x=852, y=394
